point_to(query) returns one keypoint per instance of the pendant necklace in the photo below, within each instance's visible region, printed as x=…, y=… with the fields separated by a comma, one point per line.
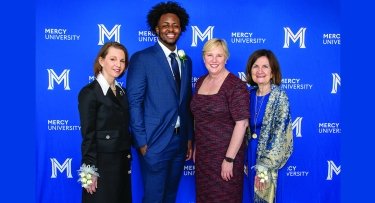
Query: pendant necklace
x=254, y=135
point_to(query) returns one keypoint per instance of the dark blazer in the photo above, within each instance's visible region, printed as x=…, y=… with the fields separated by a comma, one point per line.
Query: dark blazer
x=104, y=121
x=153, y=100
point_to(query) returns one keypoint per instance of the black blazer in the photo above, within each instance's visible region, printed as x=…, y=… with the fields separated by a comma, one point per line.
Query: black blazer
x=104, y=121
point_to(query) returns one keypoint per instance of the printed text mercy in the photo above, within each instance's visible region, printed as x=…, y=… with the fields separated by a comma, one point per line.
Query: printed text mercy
x=246, y=37
x=294, y=83
x=61, y=125
x=329, y=128
x=331, y=39
x=59, y=34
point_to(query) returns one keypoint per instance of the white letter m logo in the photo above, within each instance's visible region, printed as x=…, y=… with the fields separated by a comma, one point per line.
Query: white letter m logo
x=64, y=76
x=208, y=33
x=290, y=35
x=332, y=168
x=297, y=124
x=67, y=165
x=336, y=80
x=109, y=34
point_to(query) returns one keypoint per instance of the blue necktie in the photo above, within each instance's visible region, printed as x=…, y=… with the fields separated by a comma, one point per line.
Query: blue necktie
x=176, y=70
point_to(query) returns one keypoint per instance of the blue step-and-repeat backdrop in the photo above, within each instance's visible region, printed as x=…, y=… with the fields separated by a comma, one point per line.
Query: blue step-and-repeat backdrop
x=304, y=35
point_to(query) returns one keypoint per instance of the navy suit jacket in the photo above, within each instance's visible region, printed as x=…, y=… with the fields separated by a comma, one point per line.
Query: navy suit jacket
x=153, y=100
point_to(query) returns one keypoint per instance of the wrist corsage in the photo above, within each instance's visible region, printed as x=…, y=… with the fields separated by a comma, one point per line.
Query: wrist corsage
x=181, y=55
x=263, y=176
x=86, y=173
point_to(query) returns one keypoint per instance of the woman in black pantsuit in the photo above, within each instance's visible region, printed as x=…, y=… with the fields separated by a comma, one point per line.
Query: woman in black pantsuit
x=105, y=173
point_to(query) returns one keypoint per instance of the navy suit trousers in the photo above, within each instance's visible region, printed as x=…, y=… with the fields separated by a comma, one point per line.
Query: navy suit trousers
x=161, y=172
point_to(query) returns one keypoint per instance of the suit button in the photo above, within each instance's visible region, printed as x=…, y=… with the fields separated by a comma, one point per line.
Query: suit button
x=129, y=171
x=107, y=137
x=128, y=156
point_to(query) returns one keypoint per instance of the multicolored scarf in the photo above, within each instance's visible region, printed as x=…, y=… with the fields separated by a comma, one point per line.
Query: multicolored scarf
x=275, y=142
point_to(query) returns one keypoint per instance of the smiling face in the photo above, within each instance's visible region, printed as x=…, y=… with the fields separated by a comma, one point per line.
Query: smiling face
x=113, y=63
x=168, y=30
x=261, y=71
x=214, y=59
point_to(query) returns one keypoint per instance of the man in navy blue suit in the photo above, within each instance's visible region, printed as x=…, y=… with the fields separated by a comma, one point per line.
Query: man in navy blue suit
x=159, y=100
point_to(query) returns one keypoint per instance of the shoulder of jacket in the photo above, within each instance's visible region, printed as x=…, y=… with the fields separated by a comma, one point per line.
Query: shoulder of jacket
x=89, y=88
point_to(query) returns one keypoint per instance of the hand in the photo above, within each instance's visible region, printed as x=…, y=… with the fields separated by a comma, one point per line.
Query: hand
x=92, y=188
x=226, y=170
x=189, y=151
x=143, y=150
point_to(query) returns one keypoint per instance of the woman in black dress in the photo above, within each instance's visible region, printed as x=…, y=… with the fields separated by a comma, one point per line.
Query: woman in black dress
x=103, y=108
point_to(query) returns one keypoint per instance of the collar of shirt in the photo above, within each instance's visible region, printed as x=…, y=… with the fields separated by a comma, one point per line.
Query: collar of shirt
x=167, y=51
x=103, y=83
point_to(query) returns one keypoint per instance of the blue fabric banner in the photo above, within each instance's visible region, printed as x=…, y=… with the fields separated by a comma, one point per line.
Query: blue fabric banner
x=304, y=35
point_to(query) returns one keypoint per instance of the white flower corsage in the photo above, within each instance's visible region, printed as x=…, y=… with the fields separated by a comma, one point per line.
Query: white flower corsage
x=85, y=175
x=263, y=176
x=181, y=55
x=262, y=173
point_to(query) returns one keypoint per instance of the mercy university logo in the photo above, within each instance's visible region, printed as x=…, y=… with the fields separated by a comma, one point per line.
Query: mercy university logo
x=297, y=125
x=103, y=31
x=208, y=33
x=53, y=77
x=67, y=165
x=294, y=37
x=332, y=168
x=336, y=80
